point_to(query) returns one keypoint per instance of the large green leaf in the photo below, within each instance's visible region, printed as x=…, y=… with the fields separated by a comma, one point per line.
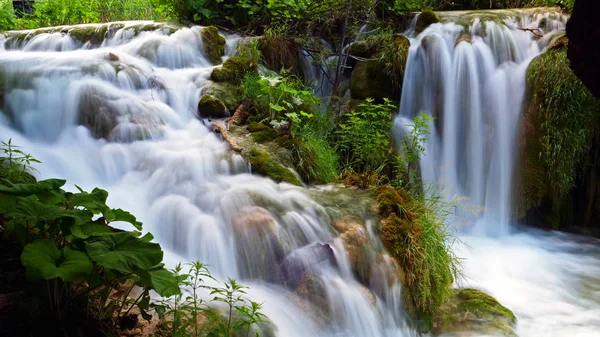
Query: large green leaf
x=43, y=260
x=161, y=280
x=90, y=230
x=24, y=190
x=29, y=208
x=121, y=215
x=95, y=201
x=125, y=252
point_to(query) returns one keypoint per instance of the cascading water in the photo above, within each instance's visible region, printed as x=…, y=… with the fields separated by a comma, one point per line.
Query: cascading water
x=472, y=81
x=138, y=88
x=469, y=74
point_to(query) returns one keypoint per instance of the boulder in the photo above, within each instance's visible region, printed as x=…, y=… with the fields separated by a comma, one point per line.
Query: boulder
x=474, y=312
x=425, y=19
x=356, y=243
x=213, y=44
x=263, y=163
x=234, y=70
x=212, y=107
x=228, y=93
x=369, y=81
x=302, y=260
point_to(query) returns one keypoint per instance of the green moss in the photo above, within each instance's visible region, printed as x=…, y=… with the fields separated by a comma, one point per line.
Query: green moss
x=267, y=135
x=234, y=70
x=262, y=163
x=213, y=44
x=368, y=80
x=556, y=130
x=372, y=78
x=211, y=107
x=93, y=34
x=425, y=19
x=474, y=311
x=228, y=93
x=359, y=48
x=413, y=232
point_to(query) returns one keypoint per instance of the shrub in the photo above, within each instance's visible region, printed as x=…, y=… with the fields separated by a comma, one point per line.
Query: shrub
x=364, y=138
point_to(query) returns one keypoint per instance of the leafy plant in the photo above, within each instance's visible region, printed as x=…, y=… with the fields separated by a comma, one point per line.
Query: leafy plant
x=364, y=138
x=412, y=147
x=240, y=315
x=15, y=165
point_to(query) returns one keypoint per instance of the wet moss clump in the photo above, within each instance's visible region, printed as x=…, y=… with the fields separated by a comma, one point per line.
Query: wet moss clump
x=561, y=119
x=262, y=133
x=413, y=232
x=213, y=43
x=92, y=34
x=474, y=311
x=234, y=70
x=262, y=163
x=425, y=19
x=211, y=107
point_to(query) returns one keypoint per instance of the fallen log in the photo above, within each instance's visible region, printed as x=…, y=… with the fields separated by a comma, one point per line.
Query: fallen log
x=219, y=128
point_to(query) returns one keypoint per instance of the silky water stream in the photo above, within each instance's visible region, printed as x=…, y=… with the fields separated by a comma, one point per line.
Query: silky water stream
x=164, y=165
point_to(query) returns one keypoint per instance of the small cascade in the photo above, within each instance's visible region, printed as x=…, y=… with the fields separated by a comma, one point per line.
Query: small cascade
x=115, y=107
x=469, y=74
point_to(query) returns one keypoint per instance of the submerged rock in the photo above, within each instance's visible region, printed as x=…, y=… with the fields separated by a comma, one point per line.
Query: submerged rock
x=471, y=311
x=464, y=38
x=302, y=260
x=212, y=107
x=356, y=242
x=213, y=44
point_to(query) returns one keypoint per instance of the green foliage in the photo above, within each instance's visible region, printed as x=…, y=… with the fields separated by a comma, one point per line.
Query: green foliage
x=566, y=113
x=15, y=165
x=70, y=12
x=249, y=49
x=364, y=138
x=412, y=147
x=317, y=160
x=241, y=315
x=415, y=231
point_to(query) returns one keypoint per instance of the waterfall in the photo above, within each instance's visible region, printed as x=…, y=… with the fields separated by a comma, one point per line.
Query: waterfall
x=119, y=112
x=470, y=76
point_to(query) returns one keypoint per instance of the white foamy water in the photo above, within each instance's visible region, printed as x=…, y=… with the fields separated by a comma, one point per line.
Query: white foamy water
x=180, y=179
x=476, y=91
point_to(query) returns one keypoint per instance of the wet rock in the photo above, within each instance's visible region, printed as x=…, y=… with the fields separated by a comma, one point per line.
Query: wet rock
x=228, y=93
x=263, y=163
x=234, y=70
x=302, y=260
x=356, y=242
x=425, y=19
x=213, y=44
x=212, y=107
x=475, y=312
x=113, y=57
x=258, y=243
x=464, y=38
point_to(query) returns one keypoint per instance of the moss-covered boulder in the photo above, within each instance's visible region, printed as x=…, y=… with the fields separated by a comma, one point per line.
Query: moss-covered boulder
x=262, y=133
x=382, y=76
x=212, y=107
x=415, y=237
x=229, y=93
x=262, y=163
x=93, y=34
x=425, y=19
x=369, y=81
x=234, y=70
x=359, y=48
x=474, y=312
x=213, y=44
x=557, y=130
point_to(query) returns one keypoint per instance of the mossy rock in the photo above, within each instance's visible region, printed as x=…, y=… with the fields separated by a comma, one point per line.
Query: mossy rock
x=464, y=38
x=473, y=311
x=368, y=80
x=211, y=107
x=281, y=52
x=229, y=93
x=262, y=163
x=262, y=133
x=359, y=48
x=556, y=132
x=213, y=44
x=559, y=42
x=234, y=70
x=425, y=19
